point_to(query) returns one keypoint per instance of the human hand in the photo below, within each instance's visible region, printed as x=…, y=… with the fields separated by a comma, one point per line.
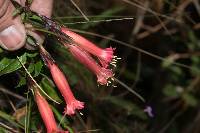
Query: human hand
x=12, y=30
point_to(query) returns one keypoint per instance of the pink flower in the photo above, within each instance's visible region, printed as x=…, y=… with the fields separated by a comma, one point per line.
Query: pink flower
x=105, y=56
x=103, y=74
x=46, y=114
x=62, y=84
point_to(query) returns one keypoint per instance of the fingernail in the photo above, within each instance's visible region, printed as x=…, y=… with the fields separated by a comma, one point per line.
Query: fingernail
x=11, y=38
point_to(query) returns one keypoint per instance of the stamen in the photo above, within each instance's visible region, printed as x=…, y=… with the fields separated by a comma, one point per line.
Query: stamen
x=113, y=62
x=113, y=65
x=80, y=113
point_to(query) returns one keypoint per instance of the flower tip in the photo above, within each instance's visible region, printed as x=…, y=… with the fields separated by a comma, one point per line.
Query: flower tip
x=106, y=57
x=70, y=109
x=104, y=76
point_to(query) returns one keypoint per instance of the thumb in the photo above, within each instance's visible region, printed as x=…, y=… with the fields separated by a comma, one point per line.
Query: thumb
x=12, y=31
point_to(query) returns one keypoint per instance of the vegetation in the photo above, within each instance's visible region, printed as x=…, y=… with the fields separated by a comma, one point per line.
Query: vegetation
x=159, y=45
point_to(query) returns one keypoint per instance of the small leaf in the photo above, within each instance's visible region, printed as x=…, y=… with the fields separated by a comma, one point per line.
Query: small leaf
x=31, y=67
x=168, y=61
x=28, y=2
x=21, y=82
x=31, y=55
x=189, y=99
x=38, y=68
x=36, y=19
x=195, y=70
x=30, y=40
x=170, y=91
x=176, y=70
x=1, y=50
x=10, y=65
x=23, y=16
x=16, y=12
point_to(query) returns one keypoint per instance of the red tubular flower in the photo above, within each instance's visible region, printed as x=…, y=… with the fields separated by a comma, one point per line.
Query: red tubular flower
x=62, y=84
x=46, y=114
x=105, y=56
x=82, y=56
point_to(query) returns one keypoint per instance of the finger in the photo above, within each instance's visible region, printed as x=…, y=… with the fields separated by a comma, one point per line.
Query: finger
x=43, y=7
x=12, y=31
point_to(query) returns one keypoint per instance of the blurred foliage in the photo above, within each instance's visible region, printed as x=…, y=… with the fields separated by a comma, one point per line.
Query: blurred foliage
x=159, y=47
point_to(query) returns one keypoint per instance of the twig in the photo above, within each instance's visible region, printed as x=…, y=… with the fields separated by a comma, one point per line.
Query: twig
x=170, y=122
x=159, y=26
x=137, y=77
x=130, y=89
x=98, y=21
x=197, y=5
x=8, y=128
x=2, y=89
x=150, y=10
x=197, y=26
x=86, y=18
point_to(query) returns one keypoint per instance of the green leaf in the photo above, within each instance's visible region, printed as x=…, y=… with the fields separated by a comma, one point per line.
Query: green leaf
x=1, y=50
x=21, y=82
x=168, y=62
x=3, y=130
x=16, y=12
x=46, y=85
x=23, y=16
x=9, y=118
x=10, y=65
x=31, y=55
x=29, y=2
x=171, y=91
x=176, y=70
x=195, y=70
x=31, y=67
x=30, y=40
x=38, y=68
x=28, y=114
x=190, y=99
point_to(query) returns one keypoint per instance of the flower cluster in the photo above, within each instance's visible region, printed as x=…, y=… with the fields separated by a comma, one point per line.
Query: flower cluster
x=85, y=52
